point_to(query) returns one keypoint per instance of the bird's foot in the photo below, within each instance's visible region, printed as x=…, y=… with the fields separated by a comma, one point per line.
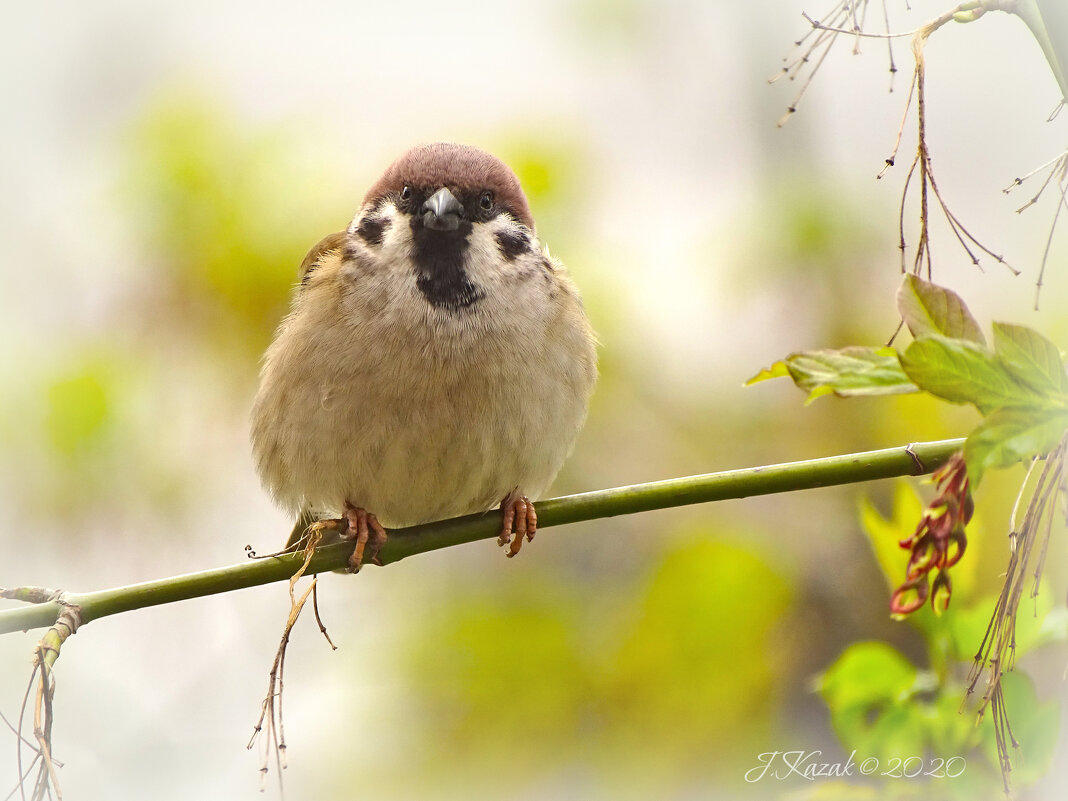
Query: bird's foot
x=518, y=517
x=368, y=533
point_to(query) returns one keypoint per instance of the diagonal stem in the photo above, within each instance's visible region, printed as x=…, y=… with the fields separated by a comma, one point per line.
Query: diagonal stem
x=916, y=459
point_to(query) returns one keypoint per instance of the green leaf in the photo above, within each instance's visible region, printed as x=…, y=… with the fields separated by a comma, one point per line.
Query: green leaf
x=961, y=371
x=868, y=691
x=777, y=370
x=884, y=534
x=1048, y=21
x=1031, y=358
x=1011, y=435
x=848, y=372
x=930, y=309
x=866, y=673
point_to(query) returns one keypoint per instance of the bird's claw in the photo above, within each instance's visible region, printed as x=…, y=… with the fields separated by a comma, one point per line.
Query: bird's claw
x=518, y=517
x=369, y=534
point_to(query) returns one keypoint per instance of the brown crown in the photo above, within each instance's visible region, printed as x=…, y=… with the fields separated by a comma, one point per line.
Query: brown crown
x=459, y=167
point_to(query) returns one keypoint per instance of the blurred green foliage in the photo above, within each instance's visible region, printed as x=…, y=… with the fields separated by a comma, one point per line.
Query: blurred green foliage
x=886, y=707
x=228, y=212
x=655, y=660
x=79, y=411
x=678, y=664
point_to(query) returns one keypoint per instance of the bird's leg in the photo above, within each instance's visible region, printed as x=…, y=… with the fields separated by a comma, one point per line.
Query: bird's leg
x=518, y=516
x=367, y=531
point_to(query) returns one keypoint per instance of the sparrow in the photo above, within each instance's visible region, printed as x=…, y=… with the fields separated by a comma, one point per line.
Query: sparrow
x=435, y=362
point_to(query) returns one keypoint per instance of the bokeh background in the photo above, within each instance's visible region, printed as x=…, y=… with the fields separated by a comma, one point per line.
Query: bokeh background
x=165, y=167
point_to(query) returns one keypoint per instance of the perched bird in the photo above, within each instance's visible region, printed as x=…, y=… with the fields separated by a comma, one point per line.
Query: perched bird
x=436, y=361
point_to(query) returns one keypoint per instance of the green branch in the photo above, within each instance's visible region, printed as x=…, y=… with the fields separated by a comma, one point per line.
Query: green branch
x=834, y=470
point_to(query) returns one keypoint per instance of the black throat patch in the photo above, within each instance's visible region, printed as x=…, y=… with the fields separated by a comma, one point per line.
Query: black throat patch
x=439, y=266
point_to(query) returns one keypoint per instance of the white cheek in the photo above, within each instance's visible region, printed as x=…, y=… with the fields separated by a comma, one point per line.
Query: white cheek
x=483, y=255
x=486, y=264
x=396, y=244
x=397, y=241
x=516, y=288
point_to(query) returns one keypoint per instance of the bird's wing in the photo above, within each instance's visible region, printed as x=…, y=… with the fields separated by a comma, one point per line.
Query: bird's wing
x=328, y=244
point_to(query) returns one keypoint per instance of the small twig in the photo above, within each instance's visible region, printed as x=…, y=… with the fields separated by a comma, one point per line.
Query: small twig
x=1041, y=189
x=44, y=657
x=20, y=782
x=928, y=183
x=889, y=47
x=1049, y=244
x=1014, y=516
x=1056, y=160
x=31, y=595
x=271, y=709
x=824, y=38
x=997, y=652
x=819, y=26
x=1058, y=168
x=900, y=130
x=901, y=212
x=42, y=718
x=792, y=108
x=18, y=749
x=20, y=735
x=318, y=619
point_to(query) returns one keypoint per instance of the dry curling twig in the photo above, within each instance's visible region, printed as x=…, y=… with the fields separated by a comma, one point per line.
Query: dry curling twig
x=271, y=709
x=847, y=18
x=1058, y=167
x=997, y=652
x=42, y=686
x=922, y=161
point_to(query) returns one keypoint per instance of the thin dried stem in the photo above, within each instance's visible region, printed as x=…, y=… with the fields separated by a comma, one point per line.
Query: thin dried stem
x=1058, y=168
x=923, y=261
x=42, y=686
x=271, y=708
x=20, y=783
x=889, y=47
x=901, y=212
x=792, y=108
x=997, y=652
x=21, y=736
x=856, y=30
x=900, y=130
x=42, y=718
x=18, y=755
x=318, y=619
x=847, y=17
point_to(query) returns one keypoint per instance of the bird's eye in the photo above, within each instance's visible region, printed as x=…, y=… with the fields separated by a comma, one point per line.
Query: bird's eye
x=406, y=193
x=486, y=201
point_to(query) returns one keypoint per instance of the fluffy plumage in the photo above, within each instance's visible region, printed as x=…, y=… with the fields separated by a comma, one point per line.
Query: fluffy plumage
x=425, y=371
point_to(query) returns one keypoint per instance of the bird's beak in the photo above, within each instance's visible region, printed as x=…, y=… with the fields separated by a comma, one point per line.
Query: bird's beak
x=442, y=211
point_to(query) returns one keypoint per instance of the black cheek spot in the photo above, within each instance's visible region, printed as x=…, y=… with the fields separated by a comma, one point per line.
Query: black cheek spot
x=372, y=229
x=512, y=243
